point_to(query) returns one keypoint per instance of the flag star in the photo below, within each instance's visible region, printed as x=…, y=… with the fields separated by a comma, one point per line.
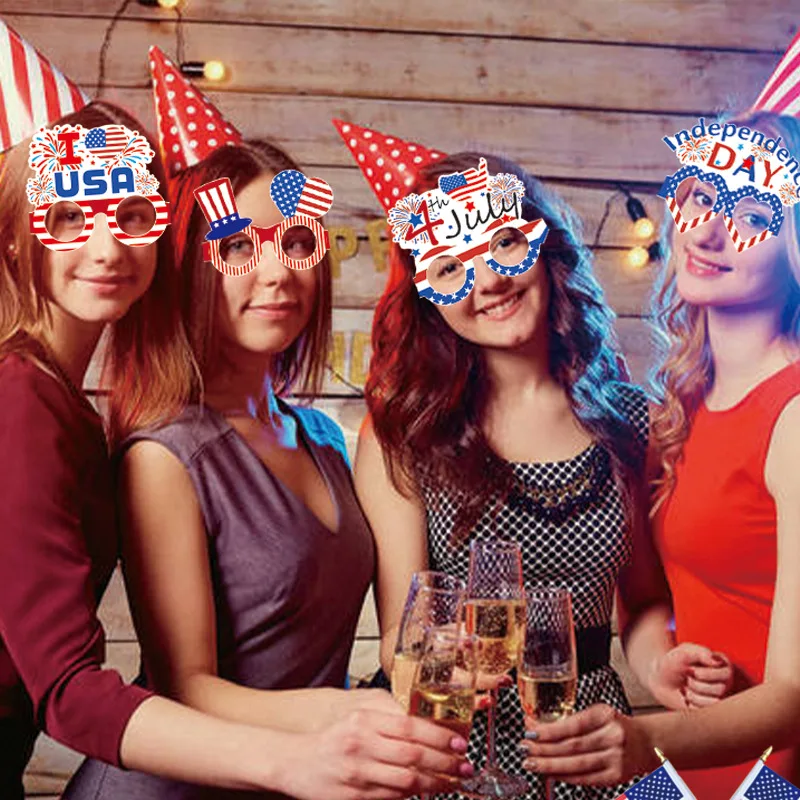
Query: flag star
x=468, y=239
x=415, y=219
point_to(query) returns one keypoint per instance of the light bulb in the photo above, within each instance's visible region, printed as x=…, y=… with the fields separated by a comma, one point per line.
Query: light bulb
x=644, y=228
x=638, y=257
x=169, y=3
x=214, y=70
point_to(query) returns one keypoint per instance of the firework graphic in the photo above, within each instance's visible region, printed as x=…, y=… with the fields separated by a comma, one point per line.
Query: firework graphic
x=146, y=183
x=40, y=190
x=135, y=154
x=46, y=151
x=504, y=189
x=788, y=194
x=759, y=152
x=694, y=151
x=405, y=216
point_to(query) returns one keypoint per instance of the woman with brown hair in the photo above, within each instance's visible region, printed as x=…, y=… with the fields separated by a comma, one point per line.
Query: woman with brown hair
x=58, y=536
x=726, y=511
x=503, y=414
x=246, y=555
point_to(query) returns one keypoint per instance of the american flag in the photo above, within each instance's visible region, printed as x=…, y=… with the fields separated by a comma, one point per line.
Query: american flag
x=107, y=142
x=762, y=783
x=34, y=93
x=462, y=185
x=781, y=94
x=663, y=784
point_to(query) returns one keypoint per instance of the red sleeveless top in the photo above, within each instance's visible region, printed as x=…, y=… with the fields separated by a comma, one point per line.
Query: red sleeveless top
x=716, y=534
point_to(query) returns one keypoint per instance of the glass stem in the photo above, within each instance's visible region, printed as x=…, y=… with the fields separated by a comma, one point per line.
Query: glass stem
x=491, y=755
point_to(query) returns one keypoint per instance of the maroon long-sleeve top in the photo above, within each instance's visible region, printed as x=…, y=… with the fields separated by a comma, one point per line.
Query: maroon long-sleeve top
x=58, y=547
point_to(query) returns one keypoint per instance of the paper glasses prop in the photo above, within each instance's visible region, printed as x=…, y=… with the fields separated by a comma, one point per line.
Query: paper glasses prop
x=235, y=246
x=81, y=173
x=470, y=214
x=748, y=181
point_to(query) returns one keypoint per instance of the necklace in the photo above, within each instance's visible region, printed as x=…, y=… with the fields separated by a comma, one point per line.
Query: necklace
x=556, y=504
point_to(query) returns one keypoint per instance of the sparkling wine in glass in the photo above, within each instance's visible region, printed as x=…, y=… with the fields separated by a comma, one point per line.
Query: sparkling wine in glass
x=443, y=687
x=547, y=675
x=495, y=613
x=434, y=599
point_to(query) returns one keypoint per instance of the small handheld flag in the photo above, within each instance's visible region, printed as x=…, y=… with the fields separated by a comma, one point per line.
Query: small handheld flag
x=762, y=783
x=662, y=784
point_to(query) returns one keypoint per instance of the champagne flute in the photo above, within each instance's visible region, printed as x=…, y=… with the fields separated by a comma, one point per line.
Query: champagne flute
x=434, y=598
x=443, y=687
x=495, y=612
x=547, y=675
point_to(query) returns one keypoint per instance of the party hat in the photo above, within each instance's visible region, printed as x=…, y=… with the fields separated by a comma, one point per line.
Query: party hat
x=34, y=93
x=189, y=125
x=781, y=94
x=389, y=164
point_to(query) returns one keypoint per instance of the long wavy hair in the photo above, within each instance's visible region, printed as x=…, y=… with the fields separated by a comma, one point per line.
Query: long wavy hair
x=301, y=364
x=684, y=374
x=428, y=388
x=24, y=310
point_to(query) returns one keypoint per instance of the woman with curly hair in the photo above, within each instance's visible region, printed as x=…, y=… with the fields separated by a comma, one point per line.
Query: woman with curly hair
x=505, y=414
x=726, y=513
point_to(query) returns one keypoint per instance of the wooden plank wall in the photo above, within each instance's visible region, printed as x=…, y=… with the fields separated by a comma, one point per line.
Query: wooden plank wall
x=579, y=93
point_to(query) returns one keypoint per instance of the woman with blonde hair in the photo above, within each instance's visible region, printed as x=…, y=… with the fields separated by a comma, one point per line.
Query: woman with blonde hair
x=726, y=511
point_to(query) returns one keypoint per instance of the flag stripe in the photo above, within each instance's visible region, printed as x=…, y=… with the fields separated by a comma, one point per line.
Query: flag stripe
x=36, y=88
x=6, y=92
x=782, y=82
x=50, y=90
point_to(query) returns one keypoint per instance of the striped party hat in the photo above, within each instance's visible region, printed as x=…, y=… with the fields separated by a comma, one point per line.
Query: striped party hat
x=781, y=94
x=34, y=93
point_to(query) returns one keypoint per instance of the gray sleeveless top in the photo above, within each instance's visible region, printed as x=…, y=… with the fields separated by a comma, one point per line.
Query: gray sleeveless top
x=287, y=590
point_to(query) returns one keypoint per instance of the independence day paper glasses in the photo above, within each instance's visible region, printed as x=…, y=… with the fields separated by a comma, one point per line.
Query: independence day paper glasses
x=749, y=180
x=235, y=246
x=470, y=214
x=81, y=173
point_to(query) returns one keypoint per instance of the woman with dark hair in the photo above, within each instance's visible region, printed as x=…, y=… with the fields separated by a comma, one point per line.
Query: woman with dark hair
x=504, y=414
x=246, y=555
x=726, y=513
x=58, y=536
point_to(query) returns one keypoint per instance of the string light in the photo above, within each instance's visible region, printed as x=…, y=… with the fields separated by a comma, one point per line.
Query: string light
x=644, y=228
x=638, y=257
x=210, y=70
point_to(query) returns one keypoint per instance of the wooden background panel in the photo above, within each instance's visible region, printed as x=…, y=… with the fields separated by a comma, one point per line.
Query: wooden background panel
x=347, y=63
x=576, y=145
x=734, y=24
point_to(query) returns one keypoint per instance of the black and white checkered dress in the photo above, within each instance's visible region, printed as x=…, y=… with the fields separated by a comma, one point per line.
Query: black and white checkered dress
x=584, y=553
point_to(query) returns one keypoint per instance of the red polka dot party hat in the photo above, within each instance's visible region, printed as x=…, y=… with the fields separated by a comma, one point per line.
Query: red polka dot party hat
x=389, y=164
x=189, y=125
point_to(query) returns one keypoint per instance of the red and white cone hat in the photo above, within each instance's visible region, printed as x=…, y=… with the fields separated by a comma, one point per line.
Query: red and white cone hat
x=34, y=93
x=389, y=164
x=189, y=125
x=781, y=93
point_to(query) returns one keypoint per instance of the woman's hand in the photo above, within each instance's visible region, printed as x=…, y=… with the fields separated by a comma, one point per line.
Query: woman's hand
x=372, y=755
x=690, y=676
x=597, y=746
